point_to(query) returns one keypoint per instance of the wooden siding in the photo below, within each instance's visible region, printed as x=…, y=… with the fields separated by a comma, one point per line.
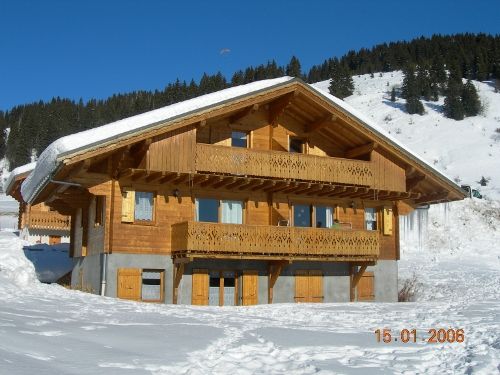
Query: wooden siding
x=173, y=152
x=263, y=241
x=276, y=164
x=387, y=174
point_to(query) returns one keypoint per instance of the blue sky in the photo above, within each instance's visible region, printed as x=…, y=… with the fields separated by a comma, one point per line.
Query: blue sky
x=95, y=48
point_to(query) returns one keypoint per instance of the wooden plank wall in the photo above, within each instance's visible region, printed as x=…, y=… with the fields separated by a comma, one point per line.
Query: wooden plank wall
x=173, y=152
x=387, y=175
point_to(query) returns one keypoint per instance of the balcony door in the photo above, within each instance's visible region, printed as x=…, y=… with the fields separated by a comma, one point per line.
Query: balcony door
x=232, y=212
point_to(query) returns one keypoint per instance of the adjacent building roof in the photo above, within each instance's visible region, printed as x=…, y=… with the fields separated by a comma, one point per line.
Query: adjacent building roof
x=52, y=158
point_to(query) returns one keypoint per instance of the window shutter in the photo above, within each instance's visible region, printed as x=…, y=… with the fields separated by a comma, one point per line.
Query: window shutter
x=128, y=203
x=388, y=221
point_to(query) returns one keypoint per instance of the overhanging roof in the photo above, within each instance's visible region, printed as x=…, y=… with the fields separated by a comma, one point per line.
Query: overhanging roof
x=52, y=158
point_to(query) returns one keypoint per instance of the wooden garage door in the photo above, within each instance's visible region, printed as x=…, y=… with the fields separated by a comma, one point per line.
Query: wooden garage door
x=250, y=288
x=366, y=291
x=308, y=286
x=129, y=283
x=199, y=294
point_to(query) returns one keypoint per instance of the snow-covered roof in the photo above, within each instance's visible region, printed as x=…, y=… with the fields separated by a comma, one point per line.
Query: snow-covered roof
x=16, y=172
x=50, y=159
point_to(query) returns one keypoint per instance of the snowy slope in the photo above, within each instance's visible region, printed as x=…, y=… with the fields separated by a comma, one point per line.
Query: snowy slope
x=464, y=150
x=54, y=330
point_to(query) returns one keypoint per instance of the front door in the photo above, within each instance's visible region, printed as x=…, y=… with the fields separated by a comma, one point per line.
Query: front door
x=199, y=292
x=308, y=286
x=250, y=288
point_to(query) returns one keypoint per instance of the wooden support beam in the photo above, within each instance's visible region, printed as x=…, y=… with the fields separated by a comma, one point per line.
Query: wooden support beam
x=281, y=185
x=329, y=189
x=361, y=150
x=238, y=182
x=360, y=192
x=179, y=178
x=225, y=181
x=411, y=183
x=126, y=173
x=338, y=190
x=168, y=177
x=277, y=107
x=318, y=124
x=211, y=180
x=250, y=184
x=178, y=272
x=138, y=174
x=153, y=176
x=348, y=192
x=263, y=185
x=438, y=196
x=275, y=269
x=357, y=276
x=296, y=186
x=243, y=113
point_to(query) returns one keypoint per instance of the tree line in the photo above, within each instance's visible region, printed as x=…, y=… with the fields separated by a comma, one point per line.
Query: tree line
x=472, y=56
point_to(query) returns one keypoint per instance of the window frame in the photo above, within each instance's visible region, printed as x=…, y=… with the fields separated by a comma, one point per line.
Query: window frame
x=99, y=210
x=375, y=215
x=247, y=137
x=162, y=285
x=244, y=212
x=303, y=143
x=313, y=210
x=153, y=213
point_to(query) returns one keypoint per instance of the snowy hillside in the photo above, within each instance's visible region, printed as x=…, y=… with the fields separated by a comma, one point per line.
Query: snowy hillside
x=58, y=331
x=464, y=150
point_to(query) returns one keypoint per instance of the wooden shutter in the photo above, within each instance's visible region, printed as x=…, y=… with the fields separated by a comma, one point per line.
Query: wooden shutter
x=301, y=286
x=128, y=205
x=366, y=291
x=129, y=283
x=200, y=287
x=250, y=288
x=315, y=286
x=388, y=221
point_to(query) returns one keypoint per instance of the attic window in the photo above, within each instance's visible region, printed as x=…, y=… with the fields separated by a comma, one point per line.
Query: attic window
x=239, y=139
x=297, y=145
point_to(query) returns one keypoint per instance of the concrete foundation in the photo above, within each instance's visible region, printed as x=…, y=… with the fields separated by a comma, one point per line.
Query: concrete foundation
x=336, y=280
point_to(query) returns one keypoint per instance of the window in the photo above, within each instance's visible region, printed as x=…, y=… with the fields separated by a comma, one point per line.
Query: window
x=370, y=218
x=143, y=206
x=207, y=210
x=54, y=240
x=152, y=285
x=305, y=216
x=324, y=216
x=99, y=210
x=232, y=212
x=297, y=145
x=302, y=215
x=239, y=139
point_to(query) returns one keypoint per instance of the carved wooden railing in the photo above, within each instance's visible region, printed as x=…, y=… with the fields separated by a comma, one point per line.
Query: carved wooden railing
x=264, y=241
x=278, y=164
x=49, y=220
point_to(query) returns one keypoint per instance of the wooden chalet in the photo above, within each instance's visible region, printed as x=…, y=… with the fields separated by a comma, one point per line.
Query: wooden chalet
x=268, y=192
x=37, y=223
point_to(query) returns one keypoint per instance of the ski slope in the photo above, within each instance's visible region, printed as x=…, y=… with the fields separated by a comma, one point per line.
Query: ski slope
x=464, y=150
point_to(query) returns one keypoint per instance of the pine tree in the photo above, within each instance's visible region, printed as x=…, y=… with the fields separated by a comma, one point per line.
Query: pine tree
x=393, y=95
x=453, y=106
x=470, y=100
x=410, y=92
x=341, y=83
x=423, y=82
x=293, y=68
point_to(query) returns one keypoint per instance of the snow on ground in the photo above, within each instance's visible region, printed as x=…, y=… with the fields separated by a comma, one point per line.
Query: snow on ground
x=466, y=149
x=54, y=330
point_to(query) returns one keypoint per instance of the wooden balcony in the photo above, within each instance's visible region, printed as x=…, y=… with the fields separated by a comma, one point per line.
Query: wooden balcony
x=49, y=220
x=197, y=239
x=285, y=165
